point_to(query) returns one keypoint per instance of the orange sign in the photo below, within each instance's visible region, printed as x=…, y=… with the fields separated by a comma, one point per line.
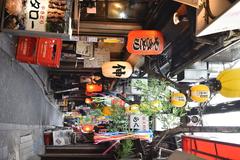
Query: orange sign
x=145, y=42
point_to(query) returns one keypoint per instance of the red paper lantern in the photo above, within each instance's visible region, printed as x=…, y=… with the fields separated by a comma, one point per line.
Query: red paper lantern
x=145, y=42
x=87, y=128
x=88, y=100
x=92, y=88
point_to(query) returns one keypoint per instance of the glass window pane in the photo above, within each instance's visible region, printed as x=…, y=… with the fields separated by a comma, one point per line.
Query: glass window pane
x=126, y=10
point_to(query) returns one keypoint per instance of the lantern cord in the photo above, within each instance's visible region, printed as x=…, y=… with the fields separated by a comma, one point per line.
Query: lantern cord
x=203, y=107
x=209, y=13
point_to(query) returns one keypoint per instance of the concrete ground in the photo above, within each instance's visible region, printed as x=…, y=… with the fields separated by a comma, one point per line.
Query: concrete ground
x=26, y=108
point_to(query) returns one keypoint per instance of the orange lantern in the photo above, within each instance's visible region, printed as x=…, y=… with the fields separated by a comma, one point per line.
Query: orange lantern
x=200, y=93
x=87, y=128
x=92, y=88
x=117, y=69
x=145, y=42
x=88, y=100
x=178, y=99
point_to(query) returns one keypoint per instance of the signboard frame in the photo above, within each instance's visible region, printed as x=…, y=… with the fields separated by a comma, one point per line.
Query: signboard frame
x=66, y=35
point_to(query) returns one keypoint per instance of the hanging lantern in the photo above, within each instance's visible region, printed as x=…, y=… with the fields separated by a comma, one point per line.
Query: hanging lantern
x=178, y=99
x=228, y=83
x=92, y=88
x=145, y=42
x=117, y=69
x=88, y=128
x=200, y=93
x=88, y=100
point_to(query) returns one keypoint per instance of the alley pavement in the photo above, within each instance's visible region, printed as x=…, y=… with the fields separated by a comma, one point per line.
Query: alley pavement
x=26, y=108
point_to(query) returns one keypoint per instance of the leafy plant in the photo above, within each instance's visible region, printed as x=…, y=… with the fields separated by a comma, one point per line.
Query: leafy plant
x=126, y=148
x=155, y=100
x=119, y=120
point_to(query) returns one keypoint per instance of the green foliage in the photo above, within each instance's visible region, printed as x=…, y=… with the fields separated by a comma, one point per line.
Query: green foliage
x=155, y=98
x=119, y=119
x=126, y=148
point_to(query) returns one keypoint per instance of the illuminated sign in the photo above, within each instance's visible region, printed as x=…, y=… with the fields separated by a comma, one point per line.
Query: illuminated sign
x=117, y=69
x=145, y=42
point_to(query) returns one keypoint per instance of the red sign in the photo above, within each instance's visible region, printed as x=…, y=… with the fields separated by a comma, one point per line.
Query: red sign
x=145, y=42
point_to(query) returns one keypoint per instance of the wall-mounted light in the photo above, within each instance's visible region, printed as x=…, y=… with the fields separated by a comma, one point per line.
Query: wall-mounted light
x=180, y=15
x=179, y=18
x=122, y=15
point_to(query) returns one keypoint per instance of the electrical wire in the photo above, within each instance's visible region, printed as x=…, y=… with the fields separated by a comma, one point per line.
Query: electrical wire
x=209, y=13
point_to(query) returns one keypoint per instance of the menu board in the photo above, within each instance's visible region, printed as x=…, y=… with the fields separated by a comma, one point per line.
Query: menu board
x=100, y=57
x=37, y=15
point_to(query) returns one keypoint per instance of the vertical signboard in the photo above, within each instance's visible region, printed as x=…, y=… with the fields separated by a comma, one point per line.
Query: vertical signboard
x=139, y=122
x=36, y=15
x=40, y=16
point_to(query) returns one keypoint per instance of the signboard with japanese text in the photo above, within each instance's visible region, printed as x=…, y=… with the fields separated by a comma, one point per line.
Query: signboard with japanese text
x=37, y=15
x=145, y=42
x=117, y=69
x=139, y=122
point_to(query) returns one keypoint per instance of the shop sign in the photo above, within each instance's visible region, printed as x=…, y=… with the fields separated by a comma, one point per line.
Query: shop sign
x=36, y=15
x=117, y=69
x=145, y=42
x=139, y=122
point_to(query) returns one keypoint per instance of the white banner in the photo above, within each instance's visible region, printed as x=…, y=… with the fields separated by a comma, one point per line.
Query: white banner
x=36, y=15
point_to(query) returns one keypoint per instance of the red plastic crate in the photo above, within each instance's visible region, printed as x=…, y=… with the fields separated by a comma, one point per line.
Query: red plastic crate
x=49, y=52
x=26, y=50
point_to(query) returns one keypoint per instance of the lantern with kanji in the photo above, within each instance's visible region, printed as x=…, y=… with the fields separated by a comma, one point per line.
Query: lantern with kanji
x=145, y=42
x=117, y=69
x=178, y=99
x=93, y=88
x=200, y=93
